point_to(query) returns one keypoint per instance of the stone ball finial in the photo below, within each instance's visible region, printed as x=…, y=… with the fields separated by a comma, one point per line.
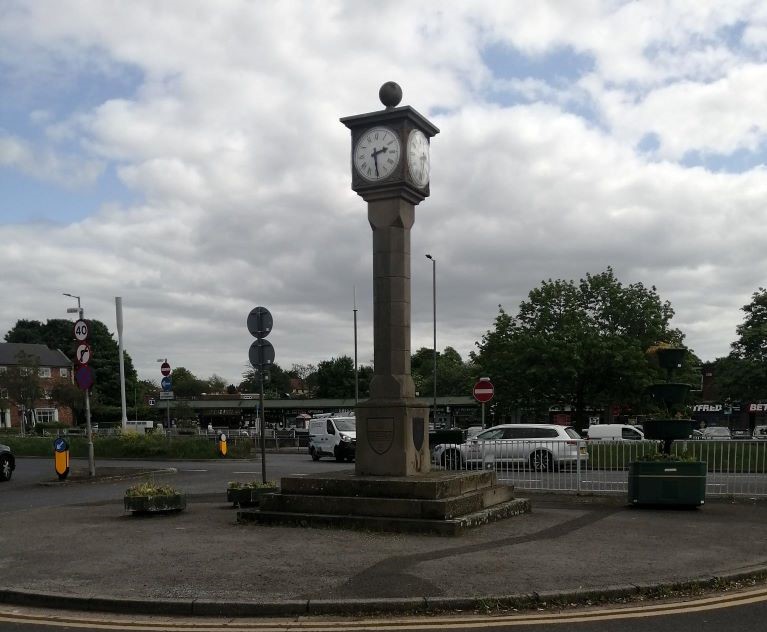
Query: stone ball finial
x=390, y=94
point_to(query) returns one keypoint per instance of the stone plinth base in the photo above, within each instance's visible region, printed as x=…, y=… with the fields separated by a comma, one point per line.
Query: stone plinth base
x=442, y=503
x=392, y=438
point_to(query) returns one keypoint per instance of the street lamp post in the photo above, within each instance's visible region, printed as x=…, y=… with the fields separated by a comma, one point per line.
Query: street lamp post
x=88, y=428
x=356, y=372
x=434, y=314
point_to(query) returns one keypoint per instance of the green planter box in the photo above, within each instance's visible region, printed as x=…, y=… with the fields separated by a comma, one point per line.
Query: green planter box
x=248, y=496
x=155, y=504
x=667, y=483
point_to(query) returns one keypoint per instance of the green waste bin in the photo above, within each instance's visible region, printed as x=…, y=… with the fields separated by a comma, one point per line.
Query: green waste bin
x=667, y=483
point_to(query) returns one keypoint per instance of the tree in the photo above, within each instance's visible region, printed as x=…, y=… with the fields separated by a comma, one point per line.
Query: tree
x=454, y=376
x=22, y=385
x=580, y=344
x=742, y=375
x=215, y=384
x=276, y=382
x=186, y=384
x=335, y=378
x=57, y=334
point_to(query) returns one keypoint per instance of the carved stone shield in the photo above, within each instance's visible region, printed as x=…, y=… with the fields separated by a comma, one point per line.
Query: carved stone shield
x=380, y=434
x=418, y=432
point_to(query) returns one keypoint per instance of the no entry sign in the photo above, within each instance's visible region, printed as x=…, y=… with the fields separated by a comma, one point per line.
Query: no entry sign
x=483, y=390
x=165, y=368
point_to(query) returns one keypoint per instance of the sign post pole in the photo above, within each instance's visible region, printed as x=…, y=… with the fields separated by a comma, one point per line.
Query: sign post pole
x=483, y=392
x=261, y=356
x=84, y=377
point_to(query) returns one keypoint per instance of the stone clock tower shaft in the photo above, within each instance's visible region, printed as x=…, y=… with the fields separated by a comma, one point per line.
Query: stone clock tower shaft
x=390, y=171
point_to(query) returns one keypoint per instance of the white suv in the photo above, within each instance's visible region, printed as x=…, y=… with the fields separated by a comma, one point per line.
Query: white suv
x=541, y=446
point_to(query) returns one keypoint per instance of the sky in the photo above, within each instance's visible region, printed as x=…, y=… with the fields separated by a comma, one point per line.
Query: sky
x=188, y=157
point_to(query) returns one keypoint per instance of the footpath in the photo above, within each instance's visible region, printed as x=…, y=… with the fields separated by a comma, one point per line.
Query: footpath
x=569, y=550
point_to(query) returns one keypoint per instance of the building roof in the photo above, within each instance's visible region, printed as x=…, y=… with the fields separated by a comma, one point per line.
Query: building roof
x=45, y=356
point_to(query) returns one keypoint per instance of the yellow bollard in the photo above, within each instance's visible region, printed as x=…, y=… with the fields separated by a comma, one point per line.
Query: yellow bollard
x=61, y=457
x=222, y=444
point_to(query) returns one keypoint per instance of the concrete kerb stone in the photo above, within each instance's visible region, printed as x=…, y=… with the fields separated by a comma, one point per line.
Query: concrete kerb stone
x=411, y=605
x=104, y=479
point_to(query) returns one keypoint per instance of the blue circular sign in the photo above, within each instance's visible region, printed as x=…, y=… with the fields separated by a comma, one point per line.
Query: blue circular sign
x=60, y=445
x=166, y=383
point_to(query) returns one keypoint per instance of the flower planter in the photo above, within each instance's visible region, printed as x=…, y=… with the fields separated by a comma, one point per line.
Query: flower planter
x=669, y=392
x=247, y=496
x=155, y=504
x=667, y=483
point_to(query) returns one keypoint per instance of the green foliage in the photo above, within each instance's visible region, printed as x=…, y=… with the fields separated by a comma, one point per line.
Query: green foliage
x=667, y=458
x=57, y=334
x=578, y=344
x=454, y=376
x=742, y=374
x=335, y=379
x=22, y=383
x=150, y=488
x=131, y=445
x=252, y=485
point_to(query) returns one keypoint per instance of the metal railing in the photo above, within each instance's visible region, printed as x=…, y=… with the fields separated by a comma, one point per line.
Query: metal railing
x=735, y=468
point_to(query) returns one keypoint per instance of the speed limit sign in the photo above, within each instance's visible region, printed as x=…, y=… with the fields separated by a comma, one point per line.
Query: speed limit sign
x=81, y=330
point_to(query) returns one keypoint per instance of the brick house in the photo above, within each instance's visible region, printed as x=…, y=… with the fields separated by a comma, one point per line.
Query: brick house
x=53, y=366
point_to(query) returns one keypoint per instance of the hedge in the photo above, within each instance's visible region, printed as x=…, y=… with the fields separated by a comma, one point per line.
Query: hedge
x=130, y=445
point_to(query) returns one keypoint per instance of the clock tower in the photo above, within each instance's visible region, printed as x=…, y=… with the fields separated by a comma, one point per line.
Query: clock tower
x=390, y=165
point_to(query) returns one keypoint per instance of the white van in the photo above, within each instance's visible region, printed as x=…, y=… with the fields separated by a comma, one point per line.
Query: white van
x=332, y=436
x=614, y=432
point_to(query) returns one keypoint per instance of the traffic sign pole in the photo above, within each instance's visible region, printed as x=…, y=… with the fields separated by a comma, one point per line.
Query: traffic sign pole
x=261, y=356
x=483, y=392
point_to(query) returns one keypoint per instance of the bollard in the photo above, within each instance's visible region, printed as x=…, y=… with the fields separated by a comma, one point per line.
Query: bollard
x=222, y=444
x=61, y=457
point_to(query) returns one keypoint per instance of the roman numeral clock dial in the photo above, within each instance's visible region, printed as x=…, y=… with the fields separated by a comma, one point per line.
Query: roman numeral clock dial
x=376, y=154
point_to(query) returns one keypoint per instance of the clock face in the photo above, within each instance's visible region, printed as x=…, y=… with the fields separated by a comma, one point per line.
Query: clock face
x=376, y=154
x=418, y=157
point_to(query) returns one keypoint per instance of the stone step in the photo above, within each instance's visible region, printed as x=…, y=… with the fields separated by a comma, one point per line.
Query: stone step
x=452, y=527
x=442, y=509
x=430, y=486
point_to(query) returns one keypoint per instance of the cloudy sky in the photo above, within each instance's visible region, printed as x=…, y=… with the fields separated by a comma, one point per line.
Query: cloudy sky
x=187, y=156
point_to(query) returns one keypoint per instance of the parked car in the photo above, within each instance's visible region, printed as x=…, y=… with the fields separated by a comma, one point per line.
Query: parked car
x=541, y=446
x=760, y=432
x=716, y=433
x=614, y=432
x=333, y=436
x=473, y=431
x=741, y=434
x=7, y=463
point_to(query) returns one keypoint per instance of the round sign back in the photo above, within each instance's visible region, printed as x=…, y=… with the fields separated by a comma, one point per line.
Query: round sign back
x=261, y=354
x=260, y=322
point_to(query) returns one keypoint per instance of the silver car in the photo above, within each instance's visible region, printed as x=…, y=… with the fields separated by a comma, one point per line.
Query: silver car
x=541, y=446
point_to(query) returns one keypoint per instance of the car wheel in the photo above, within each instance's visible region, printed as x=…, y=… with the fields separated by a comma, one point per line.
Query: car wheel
x=339, y=455
x=315, y=456
x=541, y=461
x=5, y=469
x=451, y=460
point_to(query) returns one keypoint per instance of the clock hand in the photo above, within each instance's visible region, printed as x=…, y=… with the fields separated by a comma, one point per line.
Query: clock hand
x=375, y=158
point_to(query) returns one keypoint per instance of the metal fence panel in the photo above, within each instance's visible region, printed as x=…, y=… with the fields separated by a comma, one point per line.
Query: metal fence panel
x=735, y=468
